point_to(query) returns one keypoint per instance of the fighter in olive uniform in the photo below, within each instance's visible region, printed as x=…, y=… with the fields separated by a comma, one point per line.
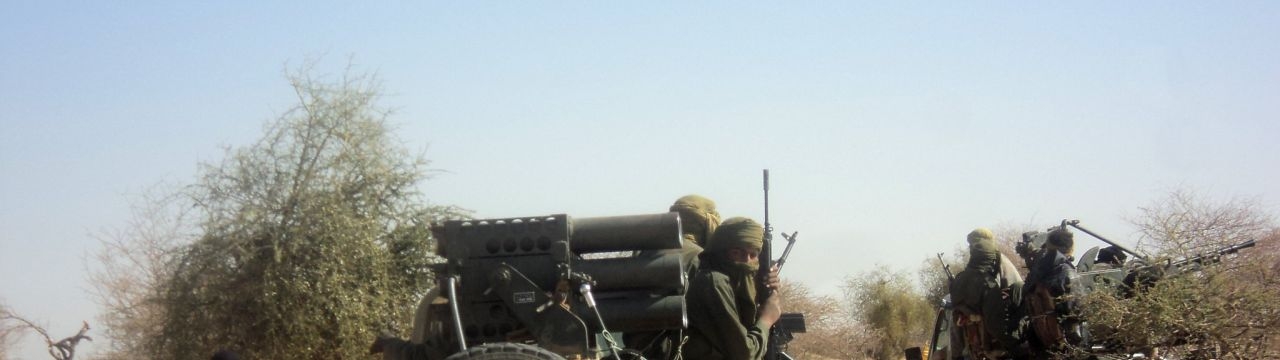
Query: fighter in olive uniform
x=987, y=299
x=724, y=319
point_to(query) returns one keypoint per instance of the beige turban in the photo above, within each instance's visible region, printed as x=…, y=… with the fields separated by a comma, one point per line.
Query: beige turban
x=738, y=232
x=979, y=234
x=699, y=214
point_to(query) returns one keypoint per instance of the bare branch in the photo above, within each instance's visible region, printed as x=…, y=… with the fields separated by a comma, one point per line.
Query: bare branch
x=60, y=350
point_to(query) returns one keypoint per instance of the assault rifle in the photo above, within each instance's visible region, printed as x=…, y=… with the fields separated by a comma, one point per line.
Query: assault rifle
x=782, y=331
x=940, y=320
x=766, y=250
x=947, y=269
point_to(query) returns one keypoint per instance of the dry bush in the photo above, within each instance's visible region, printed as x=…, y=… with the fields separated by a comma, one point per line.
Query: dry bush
x=1229, y=309
x=13, y=326
x=831, y=332
x=129, y=268
x=10, y=332
x=1185, y=223
x=889, y=305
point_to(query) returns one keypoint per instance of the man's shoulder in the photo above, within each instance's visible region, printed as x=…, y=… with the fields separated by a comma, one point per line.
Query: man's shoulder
x=968, y=286
x=972, y=275
x=708, y=282
x=706, y=275
x=1050, y=261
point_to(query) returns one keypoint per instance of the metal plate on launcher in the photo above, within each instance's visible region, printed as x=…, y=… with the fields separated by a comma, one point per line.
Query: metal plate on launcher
x=524, y=297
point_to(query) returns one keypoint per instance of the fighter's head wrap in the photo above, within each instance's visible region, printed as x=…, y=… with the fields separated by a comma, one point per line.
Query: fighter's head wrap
x=1111, y=255
x=1062, y=239
x=737, y=232
x=979, y=234
x=698, y=215
x=984, y=255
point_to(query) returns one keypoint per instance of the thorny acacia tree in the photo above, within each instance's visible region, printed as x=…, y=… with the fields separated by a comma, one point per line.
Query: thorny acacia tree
x=1184, y=223
x=310, y=241
x=889, y=304
x=1229, y=310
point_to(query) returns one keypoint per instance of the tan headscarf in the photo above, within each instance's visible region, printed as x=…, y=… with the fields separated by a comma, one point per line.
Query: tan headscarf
x=979, y=234
x=699, y=218
x=739, y=232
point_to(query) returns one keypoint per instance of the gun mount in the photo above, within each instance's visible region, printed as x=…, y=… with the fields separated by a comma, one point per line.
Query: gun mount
x=1032, y=241
x=534, y=280
x=1092, y=274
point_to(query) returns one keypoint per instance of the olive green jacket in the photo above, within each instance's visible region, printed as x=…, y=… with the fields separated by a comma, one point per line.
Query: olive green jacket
x=722, y=322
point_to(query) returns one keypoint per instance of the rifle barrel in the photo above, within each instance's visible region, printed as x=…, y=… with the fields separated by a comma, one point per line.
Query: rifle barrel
x=766, y=251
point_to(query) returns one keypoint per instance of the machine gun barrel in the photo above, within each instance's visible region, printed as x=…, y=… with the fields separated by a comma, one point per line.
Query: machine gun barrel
x=1215, y=256
x=1237, y=247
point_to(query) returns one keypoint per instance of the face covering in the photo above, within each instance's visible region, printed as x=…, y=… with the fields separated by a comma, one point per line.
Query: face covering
x=743, y=278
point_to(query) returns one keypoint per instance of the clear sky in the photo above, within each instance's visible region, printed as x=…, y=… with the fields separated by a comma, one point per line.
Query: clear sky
x=891, y=128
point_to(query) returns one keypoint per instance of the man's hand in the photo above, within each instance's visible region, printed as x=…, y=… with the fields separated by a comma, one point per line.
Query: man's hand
x=771, y=310
x=773, y=282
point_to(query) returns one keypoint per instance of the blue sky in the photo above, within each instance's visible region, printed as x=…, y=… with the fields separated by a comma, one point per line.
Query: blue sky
x=891, y=129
